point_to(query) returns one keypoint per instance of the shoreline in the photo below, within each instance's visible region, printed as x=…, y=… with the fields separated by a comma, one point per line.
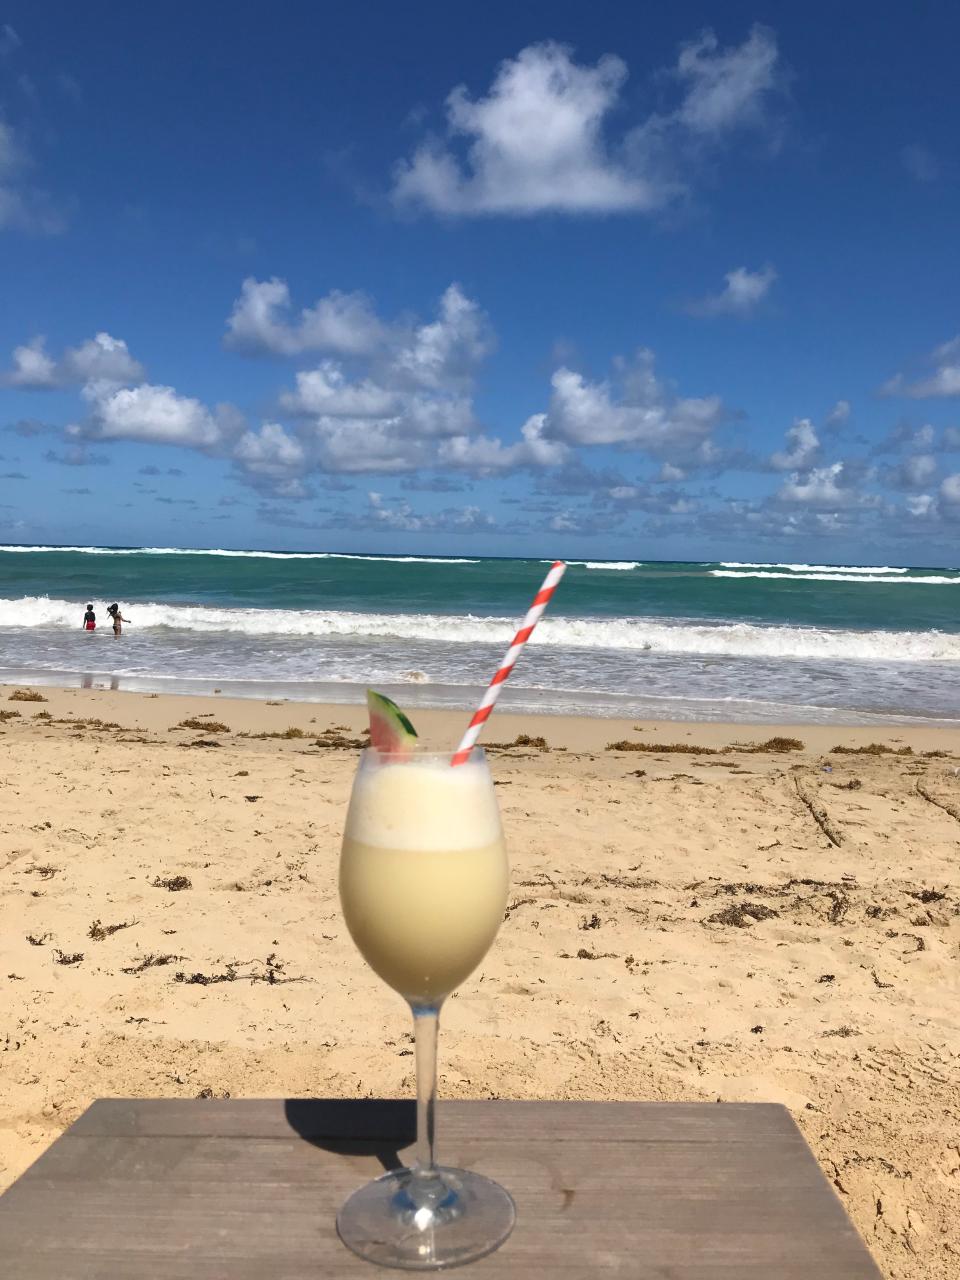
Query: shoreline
x=516, y=701
x=160, y=713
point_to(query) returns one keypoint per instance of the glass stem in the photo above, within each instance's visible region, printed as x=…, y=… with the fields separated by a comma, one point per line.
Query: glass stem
x=425, y=1022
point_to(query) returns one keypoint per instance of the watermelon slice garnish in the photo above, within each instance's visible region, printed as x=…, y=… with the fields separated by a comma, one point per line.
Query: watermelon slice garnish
x=390, y=728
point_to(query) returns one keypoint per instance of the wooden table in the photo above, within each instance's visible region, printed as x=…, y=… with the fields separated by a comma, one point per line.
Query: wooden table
x=157, y=1189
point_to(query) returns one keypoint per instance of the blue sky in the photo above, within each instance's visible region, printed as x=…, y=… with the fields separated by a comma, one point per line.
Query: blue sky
x=597, y=280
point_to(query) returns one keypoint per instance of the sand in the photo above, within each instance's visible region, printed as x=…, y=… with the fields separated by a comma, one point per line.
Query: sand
x=681, y=926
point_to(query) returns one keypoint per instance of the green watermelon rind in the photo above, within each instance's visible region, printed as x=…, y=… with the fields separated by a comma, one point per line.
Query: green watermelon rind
x=385, y=713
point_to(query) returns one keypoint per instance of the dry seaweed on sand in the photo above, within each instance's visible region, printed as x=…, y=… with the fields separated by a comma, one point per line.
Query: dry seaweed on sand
x=151, y=961
x=777, y=744
x=206, y=979
x=98, y=931
x=926, y=895
x=26, y=695
x=521, y=740
x=331, y=739
x=292, y=732
x=871, y=749
x=271, y=971
x=174, y=883
x=742, y=914
x=83, y=723
x=585, y=954
x=203, y=724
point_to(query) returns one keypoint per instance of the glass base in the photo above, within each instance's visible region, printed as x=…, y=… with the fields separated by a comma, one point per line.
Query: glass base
x=420, y=1223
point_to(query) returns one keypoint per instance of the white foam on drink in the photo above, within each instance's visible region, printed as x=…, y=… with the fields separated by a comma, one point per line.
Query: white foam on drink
x=424, y=805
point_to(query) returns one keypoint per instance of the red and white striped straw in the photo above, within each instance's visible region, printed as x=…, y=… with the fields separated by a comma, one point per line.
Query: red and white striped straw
x=482, y=713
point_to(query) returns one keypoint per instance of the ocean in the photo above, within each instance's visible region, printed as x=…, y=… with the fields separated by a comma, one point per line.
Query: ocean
x=808, y=643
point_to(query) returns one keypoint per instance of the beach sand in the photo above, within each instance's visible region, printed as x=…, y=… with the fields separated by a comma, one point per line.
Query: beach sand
x=680, y=927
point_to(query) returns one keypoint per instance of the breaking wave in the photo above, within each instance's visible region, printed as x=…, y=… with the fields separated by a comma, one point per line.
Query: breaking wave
x=606, y=564
x=639, y=635
x=811, y=568
x=240, y=555
x=924, y=579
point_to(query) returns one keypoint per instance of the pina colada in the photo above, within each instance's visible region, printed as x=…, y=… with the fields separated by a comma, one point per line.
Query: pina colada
x=423, y=874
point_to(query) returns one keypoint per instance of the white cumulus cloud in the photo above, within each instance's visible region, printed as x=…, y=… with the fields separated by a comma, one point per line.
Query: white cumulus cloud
x=99, y=359
x=262, y=322
x=803, y=446
x=268, y=449
x=483, y=454
x=838, y=416
x=727, y=88
x=327, y=392
x=154, y=415
x=410, y=392
x=640, y=413
x=401, y=516
x=922, y=505
x=440, y=353
x=943, y=381
x=447, y=351
x=33, y=368
x=742, y=293
x=914, y=472
x=536, y=142
x=821, y=488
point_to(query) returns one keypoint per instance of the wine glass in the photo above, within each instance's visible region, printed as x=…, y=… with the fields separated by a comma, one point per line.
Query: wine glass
x=423, y=886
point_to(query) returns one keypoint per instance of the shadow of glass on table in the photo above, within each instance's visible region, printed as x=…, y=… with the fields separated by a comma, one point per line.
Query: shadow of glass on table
x=380, y=1127
x=420, y=1217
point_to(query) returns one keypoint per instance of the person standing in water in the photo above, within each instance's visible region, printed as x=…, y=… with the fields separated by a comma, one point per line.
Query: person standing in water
x=118, y=618
x=89, y=619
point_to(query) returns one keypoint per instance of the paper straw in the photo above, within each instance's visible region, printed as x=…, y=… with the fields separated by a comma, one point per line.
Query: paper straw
x=482, y=713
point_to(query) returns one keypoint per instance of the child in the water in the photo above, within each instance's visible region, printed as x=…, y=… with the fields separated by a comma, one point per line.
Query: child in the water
x=89, y=619
x=118, y=618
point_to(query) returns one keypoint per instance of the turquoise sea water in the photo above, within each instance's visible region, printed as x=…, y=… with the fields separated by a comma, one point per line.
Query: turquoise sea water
x=720, y=640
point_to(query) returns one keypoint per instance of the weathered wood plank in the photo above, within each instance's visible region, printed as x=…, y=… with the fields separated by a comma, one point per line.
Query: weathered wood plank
x=737, y=1196
x=202, y=1168
x=395, y=1119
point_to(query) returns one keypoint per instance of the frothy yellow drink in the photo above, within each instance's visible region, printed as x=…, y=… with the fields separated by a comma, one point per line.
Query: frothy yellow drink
x=423, y=873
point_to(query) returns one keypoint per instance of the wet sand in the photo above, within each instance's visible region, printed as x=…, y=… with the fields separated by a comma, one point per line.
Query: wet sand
x=776, y=925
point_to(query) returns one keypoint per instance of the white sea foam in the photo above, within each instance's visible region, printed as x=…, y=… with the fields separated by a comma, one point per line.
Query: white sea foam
x=640, y=635
x=608, y=564
x=601, y=564
x=811, y=568
x=240, y=555
x=924, y=579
